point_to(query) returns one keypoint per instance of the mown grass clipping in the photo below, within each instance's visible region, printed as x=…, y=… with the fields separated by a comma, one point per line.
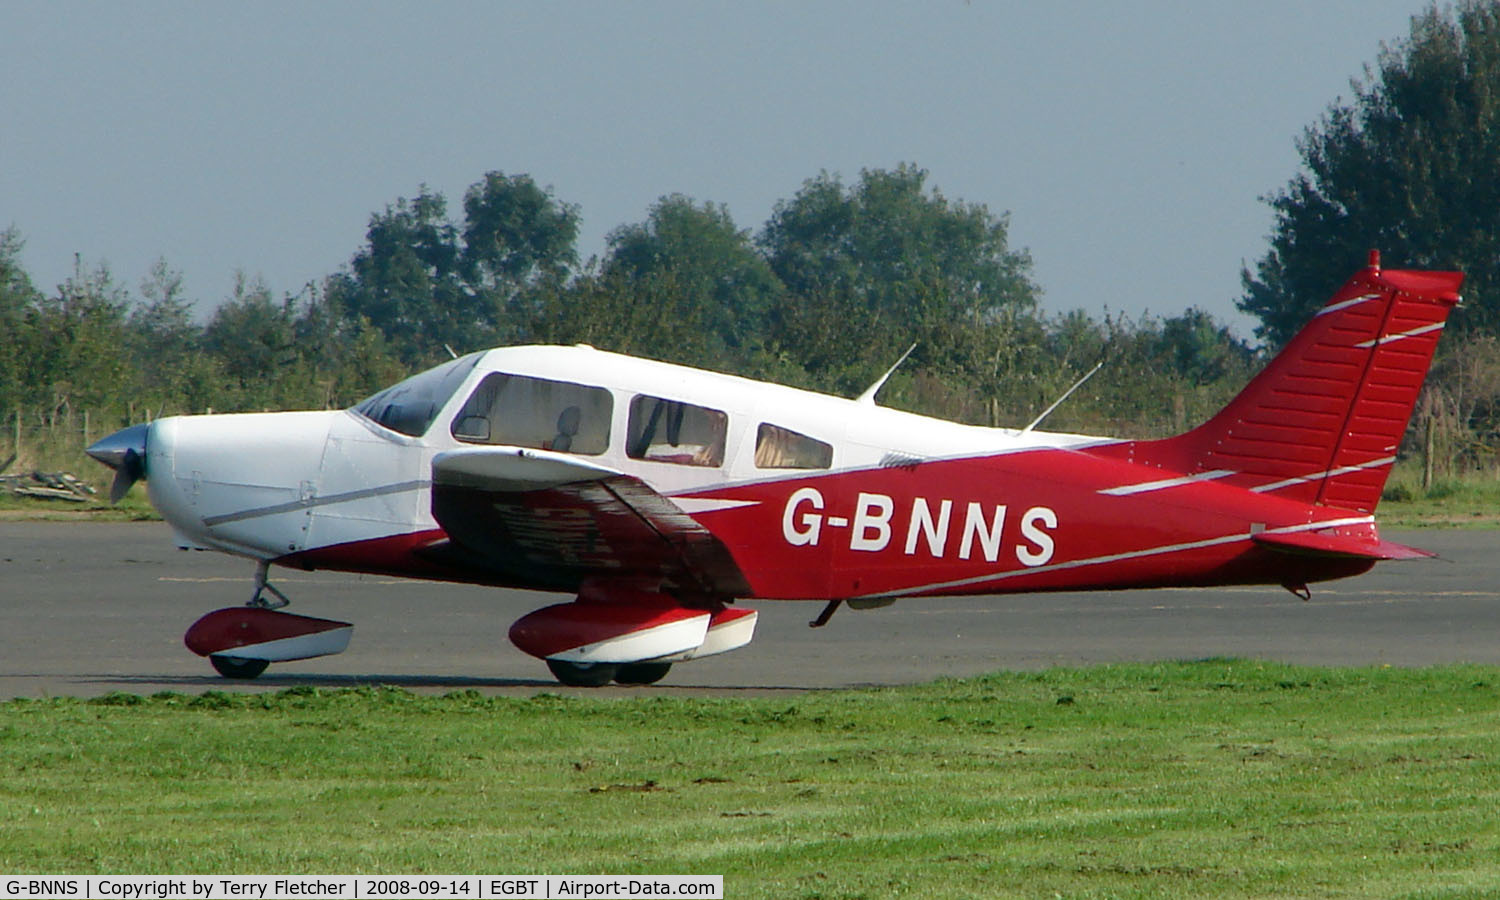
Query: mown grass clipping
x=1205, y=779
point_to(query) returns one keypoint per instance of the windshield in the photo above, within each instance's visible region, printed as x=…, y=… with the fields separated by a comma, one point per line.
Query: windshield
x=410, y=407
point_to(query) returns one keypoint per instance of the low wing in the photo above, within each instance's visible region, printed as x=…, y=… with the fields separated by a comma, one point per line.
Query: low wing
x=556, y=520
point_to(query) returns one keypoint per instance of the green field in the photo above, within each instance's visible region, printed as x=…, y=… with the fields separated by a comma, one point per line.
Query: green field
x=1214, y=778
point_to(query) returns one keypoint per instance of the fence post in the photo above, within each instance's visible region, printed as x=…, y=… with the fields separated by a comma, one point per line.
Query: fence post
x=1427, y=453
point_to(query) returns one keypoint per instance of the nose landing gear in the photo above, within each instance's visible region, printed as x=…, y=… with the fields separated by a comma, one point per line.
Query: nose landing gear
x=241, y=641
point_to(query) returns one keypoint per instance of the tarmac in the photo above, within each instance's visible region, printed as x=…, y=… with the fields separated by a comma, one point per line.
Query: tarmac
x=89, y=608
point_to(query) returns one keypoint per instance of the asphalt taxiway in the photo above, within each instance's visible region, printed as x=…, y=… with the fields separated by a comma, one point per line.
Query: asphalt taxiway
x=88, y=608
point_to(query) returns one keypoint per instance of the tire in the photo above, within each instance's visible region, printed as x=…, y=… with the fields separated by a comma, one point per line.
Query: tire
x=642, y=673
x=582, y=674
x=238, y=667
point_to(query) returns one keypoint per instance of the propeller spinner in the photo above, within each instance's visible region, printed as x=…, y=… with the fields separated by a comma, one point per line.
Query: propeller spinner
x=125, y=452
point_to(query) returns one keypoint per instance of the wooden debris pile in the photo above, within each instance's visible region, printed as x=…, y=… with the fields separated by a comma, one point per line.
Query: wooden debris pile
x=46, y=485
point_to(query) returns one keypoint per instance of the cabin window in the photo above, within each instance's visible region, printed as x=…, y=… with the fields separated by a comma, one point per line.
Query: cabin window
x=671, y=431
x=521, y=411
x=782, y=448
x=410, y=406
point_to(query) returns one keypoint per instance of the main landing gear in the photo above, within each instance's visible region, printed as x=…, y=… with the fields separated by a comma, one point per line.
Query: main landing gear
x=237, y=667
x=241, y=641
x=626, y=635
x=576, y=674
x=613, y=634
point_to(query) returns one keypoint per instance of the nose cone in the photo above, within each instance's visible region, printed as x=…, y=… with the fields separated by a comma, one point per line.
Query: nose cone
x=113, y=450
x=125, y=452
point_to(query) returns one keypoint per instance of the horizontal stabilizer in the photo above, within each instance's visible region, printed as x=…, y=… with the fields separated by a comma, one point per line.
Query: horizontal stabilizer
x=1308, y=543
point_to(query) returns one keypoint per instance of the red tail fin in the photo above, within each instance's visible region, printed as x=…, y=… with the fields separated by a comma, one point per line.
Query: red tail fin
x=1321, y=423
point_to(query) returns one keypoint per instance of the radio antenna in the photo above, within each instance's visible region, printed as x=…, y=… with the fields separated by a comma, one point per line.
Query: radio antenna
x=1066, y=394
x=868, y=397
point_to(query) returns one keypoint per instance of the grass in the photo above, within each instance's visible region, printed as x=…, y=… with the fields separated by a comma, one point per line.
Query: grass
x=1464, y=501
x=1221, y=778
x=64, y=453
x=133, y=507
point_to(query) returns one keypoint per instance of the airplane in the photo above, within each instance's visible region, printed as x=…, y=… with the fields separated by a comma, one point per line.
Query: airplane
x=660, y=497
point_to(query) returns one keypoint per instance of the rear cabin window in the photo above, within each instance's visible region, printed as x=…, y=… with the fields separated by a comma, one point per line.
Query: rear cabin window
x=671, y=431
x=783, y=448
x=521, y=411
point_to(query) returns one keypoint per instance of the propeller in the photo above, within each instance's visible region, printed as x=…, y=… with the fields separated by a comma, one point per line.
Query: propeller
x=125, y=452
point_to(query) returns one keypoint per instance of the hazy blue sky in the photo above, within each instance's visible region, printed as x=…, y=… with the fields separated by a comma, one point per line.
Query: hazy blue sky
x=1130, y=142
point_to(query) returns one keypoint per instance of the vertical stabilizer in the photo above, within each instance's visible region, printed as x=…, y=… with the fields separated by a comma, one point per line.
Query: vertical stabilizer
x=1321, y=423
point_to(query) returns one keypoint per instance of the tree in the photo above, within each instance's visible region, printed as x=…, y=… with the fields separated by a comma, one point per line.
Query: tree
x=1411, y=167
x=1162, y=376
x=77, y=356
x=348, y=357
x=424, y=283
x=713, y=264
x=166, y=347
x=253, y=339
x=891, y=262
x=516, y=236
x=17, y=297
x=653, y=315
x=406, y=281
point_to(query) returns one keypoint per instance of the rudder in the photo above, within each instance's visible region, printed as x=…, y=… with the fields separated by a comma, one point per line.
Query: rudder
x=1321, y=423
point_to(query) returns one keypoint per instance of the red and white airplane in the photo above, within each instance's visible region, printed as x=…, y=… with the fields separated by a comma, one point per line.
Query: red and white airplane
x=661, y=496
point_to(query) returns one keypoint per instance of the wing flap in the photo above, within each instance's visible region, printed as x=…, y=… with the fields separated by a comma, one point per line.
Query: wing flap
x=554, y=520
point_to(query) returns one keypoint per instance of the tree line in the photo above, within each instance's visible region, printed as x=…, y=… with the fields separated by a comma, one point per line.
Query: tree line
x=840, y=280
x=828, y=292
x=1411, y=166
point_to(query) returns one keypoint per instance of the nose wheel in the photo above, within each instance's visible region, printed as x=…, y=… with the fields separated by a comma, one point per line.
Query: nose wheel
x=241, y=641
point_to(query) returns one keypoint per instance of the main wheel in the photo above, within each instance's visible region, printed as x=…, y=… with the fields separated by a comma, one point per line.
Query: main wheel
x=642, y=673
x=582, y=674
x=238, y=666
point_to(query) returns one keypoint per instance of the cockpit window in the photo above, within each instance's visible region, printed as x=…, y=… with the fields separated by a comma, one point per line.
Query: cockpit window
x=522, y=411
x=675, y=432
x=410, y=406
x=783, y=448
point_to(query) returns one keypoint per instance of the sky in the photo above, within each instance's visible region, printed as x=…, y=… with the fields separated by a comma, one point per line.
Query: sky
x=1131, y=145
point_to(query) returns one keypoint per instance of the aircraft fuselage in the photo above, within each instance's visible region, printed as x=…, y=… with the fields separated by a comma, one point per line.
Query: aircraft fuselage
x=661, y=495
